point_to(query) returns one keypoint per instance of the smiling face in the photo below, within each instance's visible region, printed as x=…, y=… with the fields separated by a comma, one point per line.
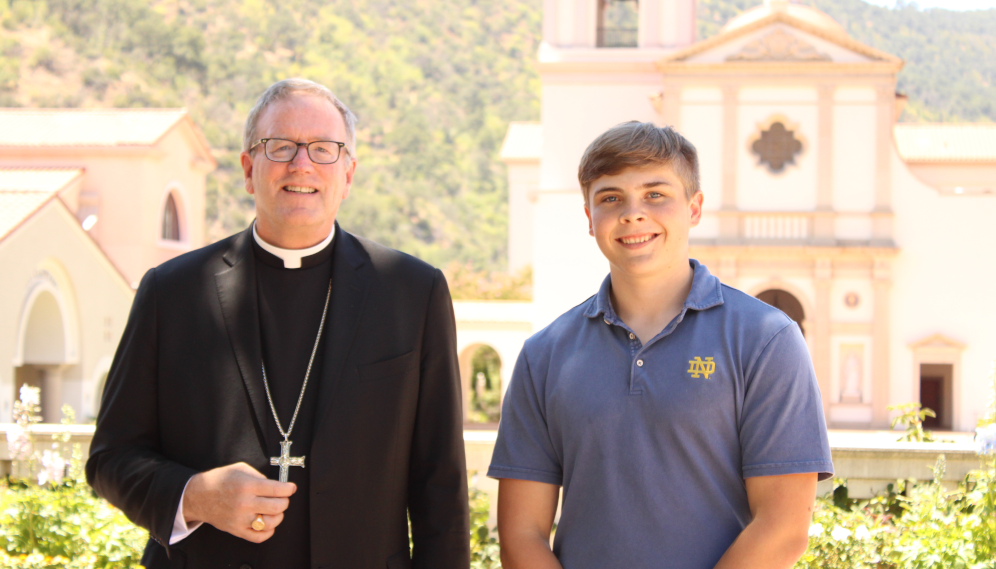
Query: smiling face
x=297, y=201
x=640, y=219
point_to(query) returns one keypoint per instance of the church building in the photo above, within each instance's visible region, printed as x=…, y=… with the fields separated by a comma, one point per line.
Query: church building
x=89, y=201
x=874, y=235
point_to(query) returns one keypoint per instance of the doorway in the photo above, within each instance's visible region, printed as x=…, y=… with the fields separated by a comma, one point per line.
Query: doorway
x=787, y=303
x=936, y=394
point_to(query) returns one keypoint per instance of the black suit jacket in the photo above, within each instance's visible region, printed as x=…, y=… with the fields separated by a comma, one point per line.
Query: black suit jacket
x=185, y=394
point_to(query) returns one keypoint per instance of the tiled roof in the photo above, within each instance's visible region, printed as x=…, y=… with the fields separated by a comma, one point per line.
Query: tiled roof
x=37, y=179
x=85, y=127
x=523, y=141
x=15, y=207
x=946, y=142
x=23, y=191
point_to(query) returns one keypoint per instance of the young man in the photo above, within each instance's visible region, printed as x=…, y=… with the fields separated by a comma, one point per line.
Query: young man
x=681, y=416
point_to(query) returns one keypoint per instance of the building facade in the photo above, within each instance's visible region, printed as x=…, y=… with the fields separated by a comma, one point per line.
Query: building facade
x=873, y=235
x=89, y=201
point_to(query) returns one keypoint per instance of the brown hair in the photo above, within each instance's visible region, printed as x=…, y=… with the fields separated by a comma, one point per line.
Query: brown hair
x=637, y=144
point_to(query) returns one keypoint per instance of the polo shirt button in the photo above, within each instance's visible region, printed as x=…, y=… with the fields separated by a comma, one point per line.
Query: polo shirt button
x=606, y=320
x=639, y=363
x=632, y=336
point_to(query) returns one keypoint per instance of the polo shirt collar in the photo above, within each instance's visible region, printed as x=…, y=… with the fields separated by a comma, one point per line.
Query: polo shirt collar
x=706, y=292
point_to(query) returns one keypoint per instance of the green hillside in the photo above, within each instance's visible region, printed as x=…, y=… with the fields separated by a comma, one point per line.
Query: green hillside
x=434, y=83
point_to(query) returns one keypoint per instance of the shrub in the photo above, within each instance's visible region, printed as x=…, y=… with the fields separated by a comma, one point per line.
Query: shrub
x=65, y=525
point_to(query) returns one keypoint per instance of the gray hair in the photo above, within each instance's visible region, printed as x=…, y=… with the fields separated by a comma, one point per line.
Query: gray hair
x=280, y=91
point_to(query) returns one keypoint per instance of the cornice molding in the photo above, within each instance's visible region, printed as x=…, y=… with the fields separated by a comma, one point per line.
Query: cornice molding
x=781, y=17
x=885, y=68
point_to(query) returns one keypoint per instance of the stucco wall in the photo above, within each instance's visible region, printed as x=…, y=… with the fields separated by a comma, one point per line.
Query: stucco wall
x=53, y=238
x=943, y=284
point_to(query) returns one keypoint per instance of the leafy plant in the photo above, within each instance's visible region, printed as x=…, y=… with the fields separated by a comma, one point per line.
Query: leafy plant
x=912, y=416
x=468, y=283
x=64, y=522
x=484, y=550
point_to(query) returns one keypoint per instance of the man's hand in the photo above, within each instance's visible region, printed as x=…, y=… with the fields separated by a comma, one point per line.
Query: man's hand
x=230, y=497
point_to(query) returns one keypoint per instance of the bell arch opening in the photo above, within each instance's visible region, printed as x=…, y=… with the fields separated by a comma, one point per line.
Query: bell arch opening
x=787, y=303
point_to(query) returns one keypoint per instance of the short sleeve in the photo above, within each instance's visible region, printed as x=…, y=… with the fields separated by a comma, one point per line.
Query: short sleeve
x=524, y=450
x=782, y=428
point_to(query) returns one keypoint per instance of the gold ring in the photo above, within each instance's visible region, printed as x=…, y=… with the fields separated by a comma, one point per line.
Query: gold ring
x=258, y=524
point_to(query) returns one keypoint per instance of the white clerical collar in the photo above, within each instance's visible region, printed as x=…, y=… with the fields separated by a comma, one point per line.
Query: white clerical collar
x=292, y=257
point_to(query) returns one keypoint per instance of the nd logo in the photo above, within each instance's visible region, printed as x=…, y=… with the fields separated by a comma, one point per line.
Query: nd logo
x=697, y=366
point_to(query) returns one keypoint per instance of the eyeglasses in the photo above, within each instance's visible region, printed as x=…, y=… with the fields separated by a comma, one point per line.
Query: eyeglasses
x=282, y=150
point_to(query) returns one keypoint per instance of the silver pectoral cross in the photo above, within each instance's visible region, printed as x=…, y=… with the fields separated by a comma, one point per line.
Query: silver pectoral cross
x=285, y=460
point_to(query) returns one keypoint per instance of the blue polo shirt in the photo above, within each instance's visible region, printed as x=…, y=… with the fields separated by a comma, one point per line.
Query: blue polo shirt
x=652, y=442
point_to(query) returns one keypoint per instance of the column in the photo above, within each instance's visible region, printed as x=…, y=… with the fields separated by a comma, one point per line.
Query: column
x=885, y=112
x=823, y=230
x=670, y=105
x=729, y=224
x=882, y=285
x=823, y=278
x=51, y=393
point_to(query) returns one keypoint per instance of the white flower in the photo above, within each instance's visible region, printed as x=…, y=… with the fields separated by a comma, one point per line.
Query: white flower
x=985, y=439
x=862, y=533
x=815, y=530
x=53, y=468
x=840, y=533
x=18, y=443
x=30, y=395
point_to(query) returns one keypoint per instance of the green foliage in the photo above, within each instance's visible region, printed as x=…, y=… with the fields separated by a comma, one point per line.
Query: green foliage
x=920, y=527
x=912, y=416
x=68, y=527
x=484, y=551
x=66, y=521
x=434, y=85
x=468, y=283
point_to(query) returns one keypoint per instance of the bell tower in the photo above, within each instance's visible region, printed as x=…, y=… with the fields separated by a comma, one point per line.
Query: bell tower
x=618, y=24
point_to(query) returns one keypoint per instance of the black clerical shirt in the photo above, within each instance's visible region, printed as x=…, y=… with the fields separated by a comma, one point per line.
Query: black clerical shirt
x=290, y=312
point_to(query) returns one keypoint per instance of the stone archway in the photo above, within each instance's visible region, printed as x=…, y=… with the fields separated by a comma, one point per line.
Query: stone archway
x=787, y=303
x=480, y=375
x=43, y=355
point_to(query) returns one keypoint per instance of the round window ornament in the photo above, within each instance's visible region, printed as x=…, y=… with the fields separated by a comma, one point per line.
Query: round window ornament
x=852, y=300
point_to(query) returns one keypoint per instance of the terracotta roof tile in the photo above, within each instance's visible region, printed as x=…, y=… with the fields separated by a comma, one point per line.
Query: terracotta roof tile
x=15, y=207
x=37, y=179
x=946, y=142
x=85, y=127
x=523, y=141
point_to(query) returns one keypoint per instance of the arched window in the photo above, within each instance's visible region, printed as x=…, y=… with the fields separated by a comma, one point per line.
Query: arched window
x=618, y=23
x=171, y=220
x=485, y=388
x=787, y=303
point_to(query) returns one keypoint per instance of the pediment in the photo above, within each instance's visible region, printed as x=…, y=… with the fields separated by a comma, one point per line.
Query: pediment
x=779, y=39
x=936, y=341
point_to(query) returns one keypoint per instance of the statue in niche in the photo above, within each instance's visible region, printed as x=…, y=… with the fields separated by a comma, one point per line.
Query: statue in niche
x=777, y=147
x=851, y=372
